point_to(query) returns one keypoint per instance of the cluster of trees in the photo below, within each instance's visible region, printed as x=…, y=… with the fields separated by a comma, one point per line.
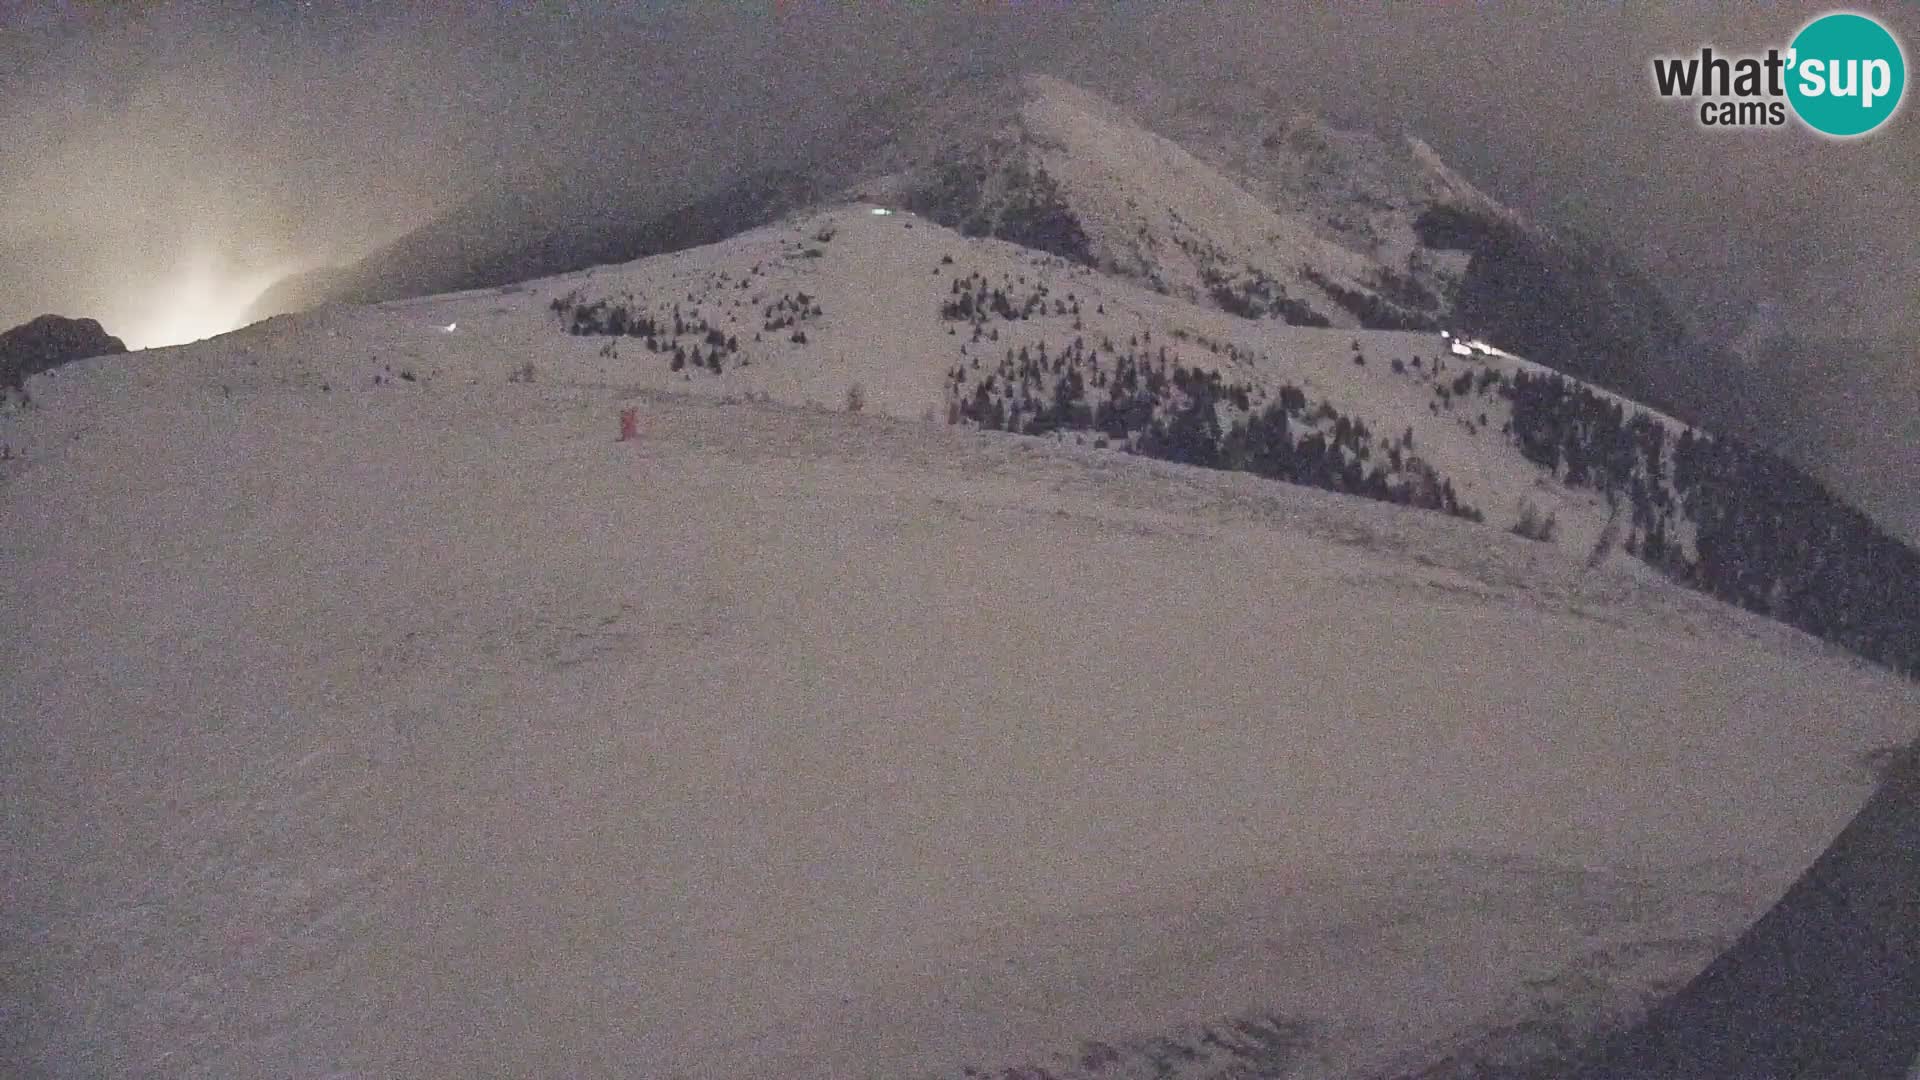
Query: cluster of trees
x=1583, y=436
x=1036, y=215
x=1150, y=404
x=790, y=309
x=707, y=350
x=997, y=193
x=1374, y=311
x=1459, y=388
x=972, y=300
x=1590, y=441
x=1771, y=539
x=1258, y=296
x=603, y=318
x=1767, y=536
x=1404, y=290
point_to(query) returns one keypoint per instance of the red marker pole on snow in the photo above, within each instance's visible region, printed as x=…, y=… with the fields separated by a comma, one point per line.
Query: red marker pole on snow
x=629, y=424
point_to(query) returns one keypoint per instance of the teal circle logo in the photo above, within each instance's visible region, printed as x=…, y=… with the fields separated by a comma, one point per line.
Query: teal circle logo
x=1846, y=74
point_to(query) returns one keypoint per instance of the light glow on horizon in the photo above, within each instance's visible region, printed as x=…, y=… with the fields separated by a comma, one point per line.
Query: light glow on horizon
x=205, y=296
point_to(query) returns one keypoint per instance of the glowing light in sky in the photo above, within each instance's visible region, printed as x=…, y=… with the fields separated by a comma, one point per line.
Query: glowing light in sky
x=205, y=296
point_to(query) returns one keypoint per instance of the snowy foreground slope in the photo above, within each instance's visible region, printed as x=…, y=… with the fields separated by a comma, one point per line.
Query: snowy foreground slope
x=420, y=728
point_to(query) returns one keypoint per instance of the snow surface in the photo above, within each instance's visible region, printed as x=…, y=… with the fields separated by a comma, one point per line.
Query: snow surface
x=420, y=728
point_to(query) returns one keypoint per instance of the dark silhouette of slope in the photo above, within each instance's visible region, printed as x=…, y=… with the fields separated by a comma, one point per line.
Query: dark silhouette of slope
x=49, y=341
x=1566, y=300
x=1826, y=984
x=465, y=250
x=300, y=291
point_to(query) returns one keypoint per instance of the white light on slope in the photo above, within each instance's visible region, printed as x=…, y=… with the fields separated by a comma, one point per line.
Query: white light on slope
x=203, y=297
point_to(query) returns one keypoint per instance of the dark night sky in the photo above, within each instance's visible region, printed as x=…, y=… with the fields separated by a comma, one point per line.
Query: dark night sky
x=246, y=139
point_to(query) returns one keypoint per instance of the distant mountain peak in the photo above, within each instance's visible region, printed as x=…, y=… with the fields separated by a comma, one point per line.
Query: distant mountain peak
x=1246, y=204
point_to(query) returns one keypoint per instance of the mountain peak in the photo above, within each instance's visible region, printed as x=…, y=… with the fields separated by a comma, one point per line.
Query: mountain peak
x=1246, y=204
x=1049, y=164
x=1443, y=185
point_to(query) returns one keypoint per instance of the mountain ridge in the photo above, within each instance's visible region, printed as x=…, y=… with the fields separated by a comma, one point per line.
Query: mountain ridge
x=1272, y=214
x=1351, y=232
x=931, y=323
x=915, y=127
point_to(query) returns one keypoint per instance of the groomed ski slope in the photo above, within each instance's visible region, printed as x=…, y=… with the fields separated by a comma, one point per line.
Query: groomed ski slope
x=422, y=729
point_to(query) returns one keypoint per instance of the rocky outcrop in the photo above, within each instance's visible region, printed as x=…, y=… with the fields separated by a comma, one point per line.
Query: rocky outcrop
x=48, y=342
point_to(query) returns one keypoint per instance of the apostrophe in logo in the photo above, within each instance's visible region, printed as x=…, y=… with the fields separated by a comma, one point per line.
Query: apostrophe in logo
x=1847, y=74
x=1843, y=75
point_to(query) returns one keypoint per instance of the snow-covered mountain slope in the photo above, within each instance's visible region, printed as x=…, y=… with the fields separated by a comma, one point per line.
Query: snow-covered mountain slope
x=930, y=324
x=1536, y=287
x=1032, y=159
x=1034, y=343
x=372, y=711
x=1068, y=172
x=805, y=311
x=1256, y=209
x=1359, y=190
